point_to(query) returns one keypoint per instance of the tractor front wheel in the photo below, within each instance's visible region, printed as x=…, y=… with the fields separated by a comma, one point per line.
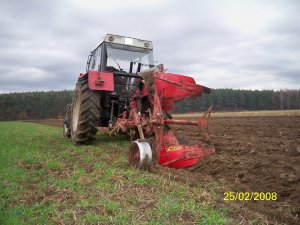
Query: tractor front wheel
x=85, y=114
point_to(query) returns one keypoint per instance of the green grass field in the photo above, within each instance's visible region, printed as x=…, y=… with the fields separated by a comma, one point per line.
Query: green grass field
x=44, y=179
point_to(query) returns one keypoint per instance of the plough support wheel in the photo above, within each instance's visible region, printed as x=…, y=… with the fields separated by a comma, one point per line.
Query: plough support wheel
x=140, y=155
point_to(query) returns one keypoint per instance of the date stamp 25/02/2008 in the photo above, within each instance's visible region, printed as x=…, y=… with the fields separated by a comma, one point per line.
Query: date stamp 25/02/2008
x=250, y=196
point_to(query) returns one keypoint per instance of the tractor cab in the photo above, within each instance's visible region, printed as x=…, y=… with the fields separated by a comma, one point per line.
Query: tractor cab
x=121, y=54
x=113, y=69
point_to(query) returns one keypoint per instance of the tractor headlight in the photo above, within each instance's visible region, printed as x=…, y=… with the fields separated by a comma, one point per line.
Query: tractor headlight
x=111, y=38
x=147, y=44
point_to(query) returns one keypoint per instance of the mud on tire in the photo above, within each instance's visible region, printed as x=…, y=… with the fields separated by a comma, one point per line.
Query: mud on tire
x=67, y=121
x=85, y=114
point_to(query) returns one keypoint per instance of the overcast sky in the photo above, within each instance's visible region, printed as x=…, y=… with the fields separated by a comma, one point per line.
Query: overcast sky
x=242, y=44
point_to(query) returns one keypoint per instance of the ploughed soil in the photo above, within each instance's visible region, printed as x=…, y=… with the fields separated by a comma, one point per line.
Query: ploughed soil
x=253, y=154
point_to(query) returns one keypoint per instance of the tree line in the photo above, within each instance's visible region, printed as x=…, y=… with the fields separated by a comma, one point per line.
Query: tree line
x=43, y=105
x=241, y=100
x=34, y=105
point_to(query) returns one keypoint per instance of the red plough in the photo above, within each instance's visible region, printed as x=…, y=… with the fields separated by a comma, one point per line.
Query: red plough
x=148, y=116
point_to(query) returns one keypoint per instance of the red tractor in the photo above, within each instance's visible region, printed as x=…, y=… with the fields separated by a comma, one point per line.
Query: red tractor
x=124, y=91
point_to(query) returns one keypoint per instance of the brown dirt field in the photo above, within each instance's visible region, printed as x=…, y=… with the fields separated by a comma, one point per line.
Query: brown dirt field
x=256, y=154
x=253, y=154
x=50, y=122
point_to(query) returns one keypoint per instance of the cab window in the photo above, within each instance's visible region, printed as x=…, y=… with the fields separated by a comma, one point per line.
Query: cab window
x=95, y=59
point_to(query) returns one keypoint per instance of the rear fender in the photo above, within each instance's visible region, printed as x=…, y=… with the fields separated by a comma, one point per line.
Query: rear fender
x=100, y=81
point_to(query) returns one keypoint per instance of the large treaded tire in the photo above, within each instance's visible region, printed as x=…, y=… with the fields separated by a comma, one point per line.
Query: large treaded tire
x=85, y=114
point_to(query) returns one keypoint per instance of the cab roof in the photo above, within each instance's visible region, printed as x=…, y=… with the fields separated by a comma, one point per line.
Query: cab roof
x=126, y=41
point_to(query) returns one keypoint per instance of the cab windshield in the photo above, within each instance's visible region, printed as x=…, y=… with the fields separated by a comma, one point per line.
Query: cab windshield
x=129, y=59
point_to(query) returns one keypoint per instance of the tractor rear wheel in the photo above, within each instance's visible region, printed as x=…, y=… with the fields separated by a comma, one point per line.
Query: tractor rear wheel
x=85, y=114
